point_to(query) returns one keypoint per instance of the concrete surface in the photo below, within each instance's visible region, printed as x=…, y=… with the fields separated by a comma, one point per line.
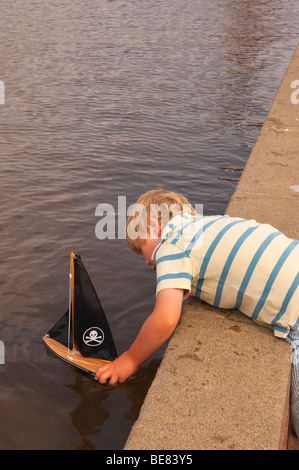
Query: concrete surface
x=224, y=380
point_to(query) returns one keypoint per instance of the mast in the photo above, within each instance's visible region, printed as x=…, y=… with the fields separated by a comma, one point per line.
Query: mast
x=71, y=302
x=73, y=297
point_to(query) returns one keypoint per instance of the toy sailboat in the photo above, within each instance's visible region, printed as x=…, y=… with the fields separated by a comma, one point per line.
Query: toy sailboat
x=82, y=337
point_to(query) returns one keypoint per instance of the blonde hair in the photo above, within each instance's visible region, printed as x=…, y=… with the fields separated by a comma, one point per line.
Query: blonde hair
x=158, y=203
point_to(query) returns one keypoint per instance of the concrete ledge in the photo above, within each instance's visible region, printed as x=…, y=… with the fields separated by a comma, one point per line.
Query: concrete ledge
x=224, y=380
x=218, y=386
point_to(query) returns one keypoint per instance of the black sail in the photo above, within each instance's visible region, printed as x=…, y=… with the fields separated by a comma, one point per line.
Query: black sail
x=92, y=334
x=60, y=331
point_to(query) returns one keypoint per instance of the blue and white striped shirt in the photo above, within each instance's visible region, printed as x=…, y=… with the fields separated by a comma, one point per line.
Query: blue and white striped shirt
x=232, y=263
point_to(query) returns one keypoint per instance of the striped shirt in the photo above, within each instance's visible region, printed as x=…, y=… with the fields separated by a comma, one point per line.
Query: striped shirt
x=232, y=263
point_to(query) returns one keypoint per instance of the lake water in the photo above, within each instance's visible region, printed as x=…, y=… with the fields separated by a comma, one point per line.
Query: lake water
x=106, y=99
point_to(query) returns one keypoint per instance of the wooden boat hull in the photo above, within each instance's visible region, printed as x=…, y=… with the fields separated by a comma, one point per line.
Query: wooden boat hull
x=85, y=364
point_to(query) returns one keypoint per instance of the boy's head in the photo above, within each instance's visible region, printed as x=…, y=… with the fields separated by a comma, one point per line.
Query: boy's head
x=153, y=210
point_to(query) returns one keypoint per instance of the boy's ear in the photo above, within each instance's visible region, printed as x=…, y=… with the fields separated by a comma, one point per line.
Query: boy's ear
x=154, y=228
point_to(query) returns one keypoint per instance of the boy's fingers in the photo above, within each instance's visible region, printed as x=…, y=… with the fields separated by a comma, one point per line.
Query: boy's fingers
x=113, y=380
x=103, y=377
x=100, y=371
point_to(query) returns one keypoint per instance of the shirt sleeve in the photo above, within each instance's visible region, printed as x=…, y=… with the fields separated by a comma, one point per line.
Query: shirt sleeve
x=174, y=269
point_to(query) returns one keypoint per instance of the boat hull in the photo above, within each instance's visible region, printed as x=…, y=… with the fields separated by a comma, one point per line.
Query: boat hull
x=74, y=358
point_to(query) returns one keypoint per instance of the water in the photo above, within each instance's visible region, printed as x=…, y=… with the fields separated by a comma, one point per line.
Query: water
x=109, y=98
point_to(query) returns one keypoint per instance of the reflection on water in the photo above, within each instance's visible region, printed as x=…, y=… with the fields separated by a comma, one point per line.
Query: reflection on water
x=91, y=411
x=105, y=99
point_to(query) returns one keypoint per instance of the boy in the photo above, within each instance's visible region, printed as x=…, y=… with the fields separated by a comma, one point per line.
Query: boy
x=227, y=262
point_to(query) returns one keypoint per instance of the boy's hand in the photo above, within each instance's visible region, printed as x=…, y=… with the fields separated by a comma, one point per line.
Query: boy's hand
x=155, y=331
x=118, y=370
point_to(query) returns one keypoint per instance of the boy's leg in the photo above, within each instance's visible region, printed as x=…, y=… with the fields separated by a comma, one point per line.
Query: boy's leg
x=293, y=339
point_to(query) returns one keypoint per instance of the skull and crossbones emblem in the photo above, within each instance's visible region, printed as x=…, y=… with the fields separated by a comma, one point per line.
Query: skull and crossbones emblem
x=94, y=336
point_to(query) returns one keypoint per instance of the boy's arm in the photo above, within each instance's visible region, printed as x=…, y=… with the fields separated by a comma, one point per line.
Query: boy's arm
x=155, y=331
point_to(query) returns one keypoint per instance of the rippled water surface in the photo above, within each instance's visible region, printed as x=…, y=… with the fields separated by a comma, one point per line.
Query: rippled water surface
x=109, y=98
